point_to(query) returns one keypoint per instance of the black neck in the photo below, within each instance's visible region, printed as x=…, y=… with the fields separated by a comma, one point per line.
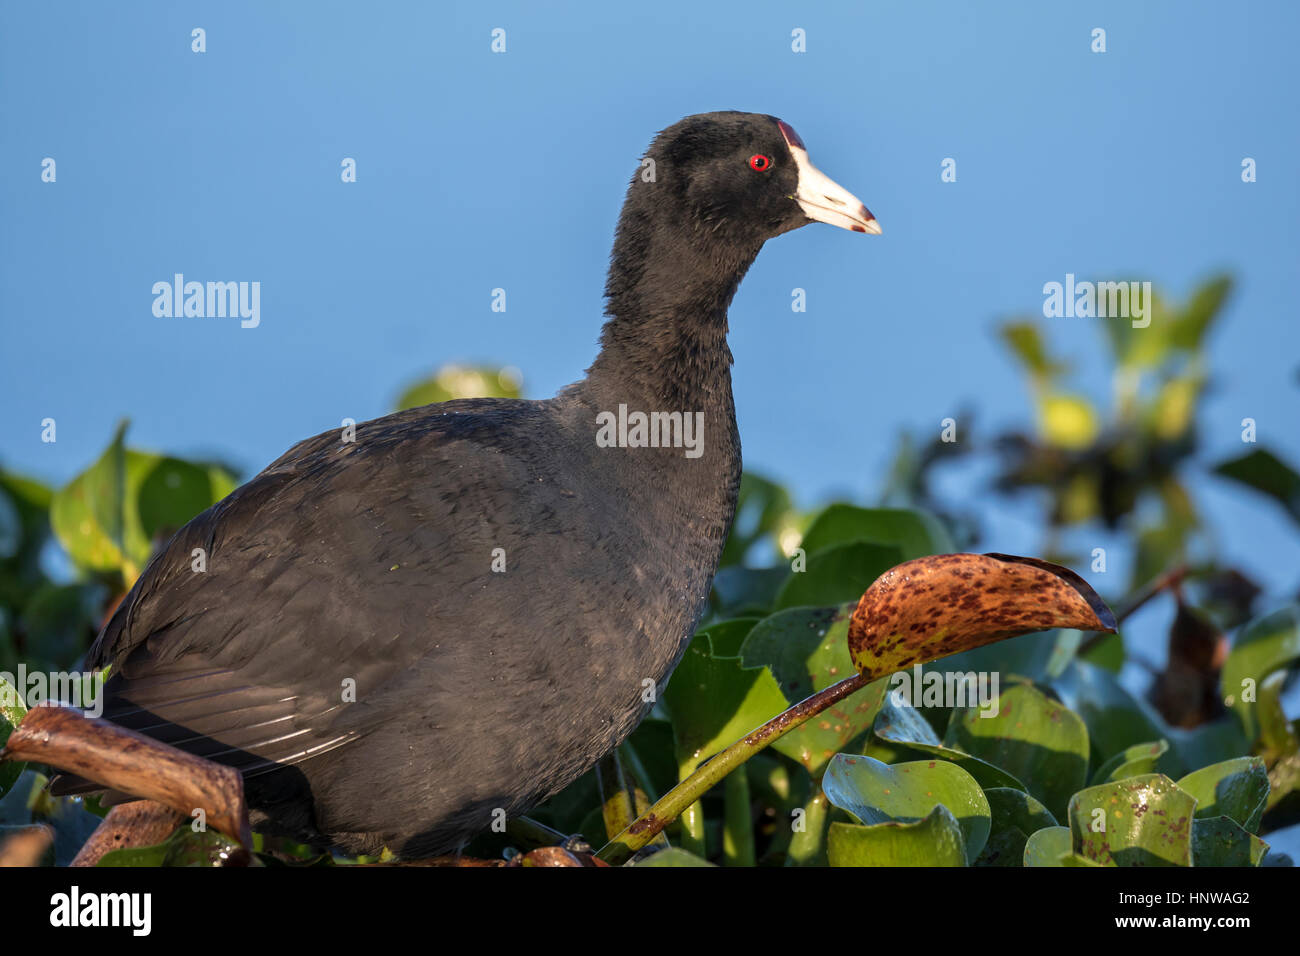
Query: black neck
x=668, y=291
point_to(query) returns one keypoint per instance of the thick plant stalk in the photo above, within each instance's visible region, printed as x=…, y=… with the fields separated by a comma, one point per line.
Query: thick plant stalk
x=738, y=827
x=124, y=760
x=675, y=802
x=808, y=846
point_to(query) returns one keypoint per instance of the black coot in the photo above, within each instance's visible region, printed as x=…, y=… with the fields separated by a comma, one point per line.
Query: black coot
x=354, y=646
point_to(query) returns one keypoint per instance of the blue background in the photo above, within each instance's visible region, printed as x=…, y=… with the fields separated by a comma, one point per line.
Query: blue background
x=478, y=170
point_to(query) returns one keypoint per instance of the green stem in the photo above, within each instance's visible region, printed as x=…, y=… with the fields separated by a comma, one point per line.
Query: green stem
x=677, y=800
x=738, y=822
x=808, y=845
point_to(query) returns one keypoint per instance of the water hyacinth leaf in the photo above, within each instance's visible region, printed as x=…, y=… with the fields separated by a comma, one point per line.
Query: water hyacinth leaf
x=805, y=650
x=1032, y=737
x=1047, y=846
x=875, y=792
x=1141, y=821
x=162, y=494
x=932, y=607
x=914, y=532
x=58, y=621
x=1114, y=718
x=1221, y=841
x=1237, y=789
x=1018, y=809
x=935, y=840
x=673, y=856
x=1015, y=815
x=711, y=700
x=746, y=592
x=110, y=516
x=762, y=507
x=900, y=723
x=87, y=513
x=1132, y=762
x=836, y=574
x=1265, y=645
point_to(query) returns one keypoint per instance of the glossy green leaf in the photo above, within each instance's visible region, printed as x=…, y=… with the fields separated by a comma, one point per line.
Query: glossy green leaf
x=1115, y=719
x=1265, y=645
x=805, y=651
x=935, y=840
x=712, y=700
x=1141, y=821
x=836, y=574
x=1032, y=737
x=1237, y=789
x=673, y=856
x=1015, y=815
x=762, y=507
x=1132, y=762
x=875, y=792
x=746, y=592
x=900, y=723
x=87, y=513
x=1047, y=846
x=1221, y=841
x=915, y=533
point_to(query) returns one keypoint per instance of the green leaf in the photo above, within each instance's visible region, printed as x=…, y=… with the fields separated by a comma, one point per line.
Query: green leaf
x=59, y=620
x=915, y=533
x=1141, y=821
x=673, y=856
x=1220, y=841
x=109, y=517
x=836, y=574
x=1131, y=762
x=1115, y=719
x=1188, y=331
x=1237, y=789
x=900, y=723
x=87, y=514
x=1015, y=815
x=184, y=847
x=1266, y=473
x=805, y=651
x=935, y=840
x=1265, y=645
x=762, y=506
x=711, y=700
x=1032, y=737
x=1026, y=341
x=875, y=792
x=747, y=592
x=1047, y=846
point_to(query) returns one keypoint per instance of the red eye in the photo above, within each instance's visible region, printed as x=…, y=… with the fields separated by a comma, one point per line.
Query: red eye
x=760, y=162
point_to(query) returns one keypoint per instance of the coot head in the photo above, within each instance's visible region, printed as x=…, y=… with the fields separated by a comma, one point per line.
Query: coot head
x=743, y=177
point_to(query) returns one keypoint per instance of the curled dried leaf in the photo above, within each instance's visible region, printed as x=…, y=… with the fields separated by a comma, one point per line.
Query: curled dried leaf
x=931, y=607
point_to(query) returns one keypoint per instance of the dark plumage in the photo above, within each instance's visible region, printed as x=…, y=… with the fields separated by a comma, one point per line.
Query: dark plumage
x=371, y=561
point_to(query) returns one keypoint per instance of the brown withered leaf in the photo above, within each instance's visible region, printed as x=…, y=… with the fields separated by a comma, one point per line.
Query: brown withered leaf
x=931, y=607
